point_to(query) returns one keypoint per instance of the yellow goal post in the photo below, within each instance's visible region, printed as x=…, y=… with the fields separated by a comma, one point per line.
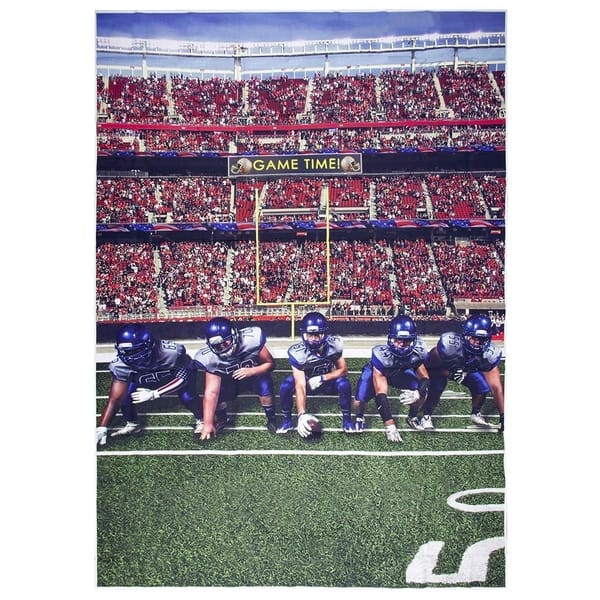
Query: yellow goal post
x=296, y=303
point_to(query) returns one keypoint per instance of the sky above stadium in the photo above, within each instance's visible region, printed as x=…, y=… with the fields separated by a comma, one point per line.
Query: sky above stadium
x=242, y=26
x=280, y=26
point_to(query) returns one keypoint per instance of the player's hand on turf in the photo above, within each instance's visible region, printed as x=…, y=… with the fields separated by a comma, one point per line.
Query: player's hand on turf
x=304, y=429
x=315, y=382
x=144, y=395
x=101, y=433
x=208, y=432
x=392, y=433
x=408, y=397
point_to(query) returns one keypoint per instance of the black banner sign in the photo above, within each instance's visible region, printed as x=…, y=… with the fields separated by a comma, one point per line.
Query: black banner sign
x=294, y=164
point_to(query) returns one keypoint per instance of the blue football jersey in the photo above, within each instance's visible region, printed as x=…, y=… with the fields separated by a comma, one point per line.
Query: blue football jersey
x=392, y=365
x=170, y=360
x=251, y=342
x=453, y=354
x=313, y=363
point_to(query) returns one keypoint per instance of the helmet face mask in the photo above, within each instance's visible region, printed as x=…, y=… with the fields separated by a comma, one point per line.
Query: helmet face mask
x=477, y=334
x=402, y=336
x=222, y=337
x=314, y=330
x=135, y=346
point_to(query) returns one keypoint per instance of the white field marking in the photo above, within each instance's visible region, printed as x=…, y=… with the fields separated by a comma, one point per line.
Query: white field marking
x=453, y=501
x=450, y=395
x=298, y=452
x=473, y=566
x=471, y=429
x=321, y=415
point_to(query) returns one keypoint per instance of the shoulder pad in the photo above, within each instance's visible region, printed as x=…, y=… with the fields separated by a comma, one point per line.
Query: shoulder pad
x=203, y=357
x=493, y=355
x=420, y=349
x=450, y=345
x=335, y=342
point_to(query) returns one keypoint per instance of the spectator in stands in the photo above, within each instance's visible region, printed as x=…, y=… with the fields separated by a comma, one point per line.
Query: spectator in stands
x=145, y=369
x=234, y=359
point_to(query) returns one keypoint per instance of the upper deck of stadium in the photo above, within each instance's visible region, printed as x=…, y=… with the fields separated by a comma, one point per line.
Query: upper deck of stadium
x=298, y=57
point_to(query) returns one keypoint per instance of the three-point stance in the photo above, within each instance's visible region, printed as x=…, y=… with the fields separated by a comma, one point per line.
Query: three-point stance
x=471, y=359
x=234, y=360
x=144, y=369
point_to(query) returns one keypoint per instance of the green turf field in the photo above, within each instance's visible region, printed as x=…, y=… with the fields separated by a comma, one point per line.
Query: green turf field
x=256, y=509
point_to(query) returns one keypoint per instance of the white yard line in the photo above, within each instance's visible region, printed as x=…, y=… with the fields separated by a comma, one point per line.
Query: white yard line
x=364, y=453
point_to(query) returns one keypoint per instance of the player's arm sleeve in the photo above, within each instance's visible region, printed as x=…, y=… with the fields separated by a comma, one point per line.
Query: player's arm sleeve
x=180, y=379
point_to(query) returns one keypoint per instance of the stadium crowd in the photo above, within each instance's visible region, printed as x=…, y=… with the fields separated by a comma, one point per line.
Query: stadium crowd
x=215, y=199
x=367, y=277
x=471, y=92
x=333, y=113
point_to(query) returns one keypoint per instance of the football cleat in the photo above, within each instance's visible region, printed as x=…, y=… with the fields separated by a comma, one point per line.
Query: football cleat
x=359, y=425
x=478, y=420
x=348, y=425
x=198, y=427
x=414, y=423
x=427, y=423
x=286, y=426
x=271, y=426
x=129, y=429
x=392, y=433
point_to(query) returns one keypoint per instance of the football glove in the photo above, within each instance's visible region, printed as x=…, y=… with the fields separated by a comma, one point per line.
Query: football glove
x=304, y=429
x=143, y=395
x=408, y=397
x=101, y=433
x=458, y=375
x=315, y=382
x=392, y=433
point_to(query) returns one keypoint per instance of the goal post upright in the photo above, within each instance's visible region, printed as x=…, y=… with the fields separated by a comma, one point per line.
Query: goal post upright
x=292, y=304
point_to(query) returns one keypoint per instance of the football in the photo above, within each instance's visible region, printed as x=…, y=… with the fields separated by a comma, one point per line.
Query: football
x=316, y=429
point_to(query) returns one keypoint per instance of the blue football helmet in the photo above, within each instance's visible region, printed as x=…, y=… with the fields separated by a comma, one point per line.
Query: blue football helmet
x=477, y=334
x=222, y=337
x=402, y=335
x=135, y=346
x=315, y=325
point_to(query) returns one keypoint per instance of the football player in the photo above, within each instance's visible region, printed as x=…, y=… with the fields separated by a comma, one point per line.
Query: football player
x=234, y=359
x=145, y=369
x=471, y=359
x=318, y=367
x=398, y=364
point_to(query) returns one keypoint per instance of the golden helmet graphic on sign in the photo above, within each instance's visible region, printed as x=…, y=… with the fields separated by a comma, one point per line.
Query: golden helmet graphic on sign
x=350, y=164
x=242, y=167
